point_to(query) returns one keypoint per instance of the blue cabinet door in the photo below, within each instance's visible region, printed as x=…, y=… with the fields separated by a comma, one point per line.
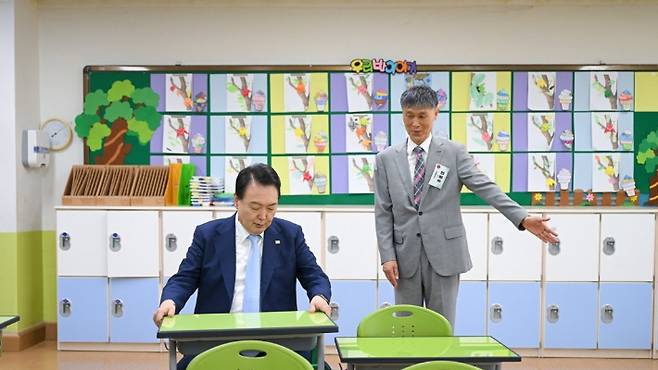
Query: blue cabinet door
x=191, y=302
x=513, y=313
x=471, y=308
x=386, y=293
x=625, y=315
x=132, y=302
x=355, y=299
x=82, y=309
x=570, y=315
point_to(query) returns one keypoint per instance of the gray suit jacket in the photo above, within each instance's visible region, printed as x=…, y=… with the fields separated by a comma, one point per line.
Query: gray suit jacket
x=438, y=221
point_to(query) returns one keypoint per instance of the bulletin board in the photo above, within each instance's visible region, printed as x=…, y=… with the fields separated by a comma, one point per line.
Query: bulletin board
x=564, y=135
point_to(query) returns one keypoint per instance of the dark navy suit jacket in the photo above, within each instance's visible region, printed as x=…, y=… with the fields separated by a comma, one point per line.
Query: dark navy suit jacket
x=209, y=266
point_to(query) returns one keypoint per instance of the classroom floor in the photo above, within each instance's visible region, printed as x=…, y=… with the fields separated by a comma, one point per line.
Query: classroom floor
x=45, y=356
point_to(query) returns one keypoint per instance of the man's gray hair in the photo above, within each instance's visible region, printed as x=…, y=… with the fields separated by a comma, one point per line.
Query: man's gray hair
x=420, y=97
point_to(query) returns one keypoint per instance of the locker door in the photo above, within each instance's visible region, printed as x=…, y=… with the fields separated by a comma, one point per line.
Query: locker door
x=570, y=315
x=132, y=244
x=177, y=234
x=82, y=314
x=471, y=308
x=513, y=313
x=507, y=247
x=476, y=235
x=311, y=223
x=353, y=252
x=81, y=243
x=355, y=299
x=132, y=302
x=576, y=256
x=625, y=315
x=627, y=247
x=386, y=292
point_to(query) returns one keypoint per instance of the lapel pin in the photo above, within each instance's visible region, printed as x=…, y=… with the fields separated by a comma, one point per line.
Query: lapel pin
x=277, y=241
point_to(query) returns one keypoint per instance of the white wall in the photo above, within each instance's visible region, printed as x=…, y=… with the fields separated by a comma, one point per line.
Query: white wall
x=7, y=119
x=73, y=34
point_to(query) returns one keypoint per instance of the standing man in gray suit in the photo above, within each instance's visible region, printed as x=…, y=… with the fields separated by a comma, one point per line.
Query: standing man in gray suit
x=420, y=234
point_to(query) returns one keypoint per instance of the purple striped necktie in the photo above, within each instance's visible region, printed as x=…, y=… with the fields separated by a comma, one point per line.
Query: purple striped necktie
x=419, y=175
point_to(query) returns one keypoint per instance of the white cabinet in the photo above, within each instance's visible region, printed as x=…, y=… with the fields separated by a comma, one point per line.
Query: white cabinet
x=311, y=223
x=350, y=245
x=513, y=254
x=627, y=247
x=132, y=244
x=576, y=256
x=476, y=236
x=81, y=243
x=177, y=234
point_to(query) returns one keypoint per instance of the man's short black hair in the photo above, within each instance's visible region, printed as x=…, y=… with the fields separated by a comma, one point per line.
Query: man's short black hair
x=261, y=173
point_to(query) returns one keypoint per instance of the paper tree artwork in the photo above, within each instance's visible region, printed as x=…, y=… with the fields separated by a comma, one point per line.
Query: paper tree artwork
x=174, y=159
x=179, y=93
x=541, y=172
x=359, y=91
x=603, y=91
x=483, y=91
x=233, y=166
x=298, y=133
x=301, y=175
x=238, y=134
x=605, y=131
x=358, y=132
x=176, y=134
x=239, y=92
x=486, y=163
x=361, y=173
x=418, y=79
x=541, y=90
x=605, y=172
x=479, y=132
x=297, y=91
x=541, y=131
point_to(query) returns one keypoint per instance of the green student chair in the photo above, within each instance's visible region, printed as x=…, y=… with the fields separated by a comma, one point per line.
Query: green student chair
x=441, y=365
x=249, y=354
x=404, y=321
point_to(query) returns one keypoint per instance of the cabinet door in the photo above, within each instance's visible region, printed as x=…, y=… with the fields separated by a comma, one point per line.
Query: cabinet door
x=351, y=246
x=132, y=244
x=514, y=313
x=471, y=308
x=311, y=223
x=576, y=256
x=570, y=315
x=82, y=313
x=627, y=247
x=222, y=214
x=385, y=292
x=191, y=302
x=625, y=315
x=81, y=243
x=476, y=235
x=177, y=234
x=513, y=254
x=354, y=300
x=132, y=302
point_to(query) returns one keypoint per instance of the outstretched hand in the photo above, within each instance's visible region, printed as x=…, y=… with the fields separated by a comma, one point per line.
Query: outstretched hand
x=539, y=227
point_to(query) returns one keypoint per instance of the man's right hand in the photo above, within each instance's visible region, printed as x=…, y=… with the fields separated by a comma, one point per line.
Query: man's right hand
x=391, y=271
x=167, y=308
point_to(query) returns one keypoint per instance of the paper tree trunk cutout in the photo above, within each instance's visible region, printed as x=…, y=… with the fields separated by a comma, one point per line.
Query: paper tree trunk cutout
x=606, y=87
x=300, y=130
x=609, y=130
x=181, y=133
x=364, y=170
x=362, y=88
x=302, y=90
x=545, y=169
x=547, y=89
x=607, y=165
x=243, y=88
x=484, y=129
x=303, y=170
x=238, y=165
x=239, y=125
x=544, y=126
x=181, y=90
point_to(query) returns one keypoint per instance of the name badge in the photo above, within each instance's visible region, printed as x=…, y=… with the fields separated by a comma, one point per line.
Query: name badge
x=439, y=176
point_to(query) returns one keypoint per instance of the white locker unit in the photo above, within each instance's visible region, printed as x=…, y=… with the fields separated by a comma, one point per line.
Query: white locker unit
x=351, y=245
x=476, y=236
x=177, y=234
x=627, y=247
x=223, y=214
x=311, y=223
x=81, y=243
x=576, y=256
x=513, y=254
x=132, y=244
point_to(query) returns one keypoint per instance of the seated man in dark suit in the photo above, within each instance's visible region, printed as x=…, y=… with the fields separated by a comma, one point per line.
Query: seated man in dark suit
x=224, y=260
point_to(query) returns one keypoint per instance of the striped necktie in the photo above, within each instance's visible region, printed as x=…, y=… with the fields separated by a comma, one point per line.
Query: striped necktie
x=419, y=175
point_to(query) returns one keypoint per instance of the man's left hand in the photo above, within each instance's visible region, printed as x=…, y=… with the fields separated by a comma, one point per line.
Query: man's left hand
x=539, y=227
x=319, y=304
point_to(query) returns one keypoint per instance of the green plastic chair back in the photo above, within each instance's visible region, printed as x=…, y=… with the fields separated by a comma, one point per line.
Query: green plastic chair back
x=404, y=321
x=441, y=365
x=240, y=355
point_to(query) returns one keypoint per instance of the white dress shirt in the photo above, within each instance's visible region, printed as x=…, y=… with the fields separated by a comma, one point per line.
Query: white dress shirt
x=242, y=248
x=411, y=156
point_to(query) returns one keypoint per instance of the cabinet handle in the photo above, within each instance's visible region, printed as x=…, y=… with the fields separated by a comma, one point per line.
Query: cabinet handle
x=115, y=242
x=335, y=311
x=496, y=312
x=171, y=242
x=609, y=246
x=553, y=313
x=65, y=307
x=497, y=245
x=333, y=244
x=384, y=304
x=554, y=248
x=117, y=308
x=64, y=241
x=607, y=313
